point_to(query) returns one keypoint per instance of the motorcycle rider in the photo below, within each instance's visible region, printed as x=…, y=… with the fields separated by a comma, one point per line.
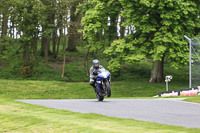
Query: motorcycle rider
x=93, y=72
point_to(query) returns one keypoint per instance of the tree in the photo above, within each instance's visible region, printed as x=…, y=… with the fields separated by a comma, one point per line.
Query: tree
x=159, y=29
x=4, y=28
x=65, y=26
x=56, y=16
x=29, y=16
x=99, y=22
x=74, y=25
x=172, y=20
x=100, y=19
x=47, y=28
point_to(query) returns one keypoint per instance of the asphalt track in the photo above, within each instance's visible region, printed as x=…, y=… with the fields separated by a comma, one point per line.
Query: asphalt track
x=169, y=112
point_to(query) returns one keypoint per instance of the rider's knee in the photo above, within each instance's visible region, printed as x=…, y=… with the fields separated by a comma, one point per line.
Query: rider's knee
x=91, y=82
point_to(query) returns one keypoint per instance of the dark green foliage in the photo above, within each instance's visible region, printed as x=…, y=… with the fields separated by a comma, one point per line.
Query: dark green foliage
x=75, y=71
x=12, y=70
x=40, y=73
x=46, y=73
x=27, y=69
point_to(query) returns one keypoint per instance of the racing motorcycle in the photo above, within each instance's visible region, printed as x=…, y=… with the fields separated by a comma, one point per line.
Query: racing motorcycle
x=103, y=84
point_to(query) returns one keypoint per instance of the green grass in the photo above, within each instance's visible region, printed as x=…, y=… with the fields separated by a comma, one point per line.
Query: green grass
x=44, y=89
x=195, y=99
x=23, y=89
x=20, y=117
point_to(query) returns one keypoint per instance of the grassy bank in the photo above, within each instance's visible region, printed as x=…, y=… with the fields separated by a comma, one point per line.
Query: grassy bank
x=19, y=117
x=75, y=69
x=195, y=99
x=23, y=89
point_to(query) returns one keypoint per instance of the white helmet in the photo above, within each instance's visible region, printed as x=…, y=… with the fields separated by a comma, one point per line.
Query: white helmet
x=96, y=63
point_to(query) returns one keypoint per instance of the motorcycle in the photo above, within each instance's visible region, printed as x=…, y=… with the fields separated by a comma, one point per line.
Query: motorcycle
x=103, y=84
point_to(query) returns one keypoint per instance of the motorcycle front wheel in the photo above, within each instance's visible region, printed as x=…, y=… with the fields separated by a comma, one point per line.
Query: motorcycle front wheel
x=108, y=89
x=99, y=98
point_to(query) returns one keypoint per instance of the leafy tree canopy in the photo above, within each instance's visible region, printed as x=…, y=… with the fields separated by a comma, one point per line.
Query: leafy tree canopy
x=160, y=26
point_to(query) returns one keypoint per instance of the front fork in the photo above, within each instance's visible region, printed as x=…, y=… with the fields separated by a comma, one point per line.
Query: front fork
x=101, y=84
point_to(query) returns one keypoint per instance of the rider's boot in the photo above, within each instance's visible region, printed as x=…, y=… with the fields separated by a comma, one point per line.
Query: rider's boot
x=94, y=88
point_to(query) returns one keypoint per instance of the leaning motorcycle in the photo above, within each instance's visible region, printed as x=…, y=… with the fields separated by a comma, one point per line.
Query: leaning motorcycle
x=103, y=84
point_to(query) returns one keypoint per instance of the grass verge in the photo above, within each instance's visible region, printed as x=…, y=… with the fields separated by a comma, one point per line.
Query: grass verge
x=195, y=99
x=21, y=117
x=24, y=89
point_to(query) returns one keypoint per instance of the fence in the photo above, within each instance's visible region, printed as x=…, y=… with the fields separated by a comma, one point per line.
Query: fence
x=194, y=61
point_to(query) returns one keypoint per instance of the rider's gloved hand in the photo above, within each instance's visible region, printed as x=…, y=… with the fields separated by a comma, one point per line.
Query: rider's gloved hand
x=95, y=73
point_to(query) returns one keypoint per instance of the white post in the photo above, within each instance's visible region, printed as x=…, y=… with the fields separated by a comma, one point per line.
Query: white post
x=167, y=80
x=166, y=85
x=190, y=58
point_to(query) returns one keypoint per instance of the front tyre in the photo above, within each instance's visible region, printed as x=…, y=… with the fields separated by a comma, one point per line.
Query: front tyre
x=99, y=98
x=108, y=89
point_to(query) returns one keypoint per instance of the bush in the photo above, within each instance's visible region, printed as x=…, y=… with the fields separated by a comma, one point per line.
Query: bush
x=27, y=69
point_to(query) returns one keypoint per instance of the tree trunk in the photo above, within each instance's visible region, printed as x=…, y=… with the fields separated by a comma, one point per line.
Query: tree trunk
x=26, y=53
x=54, y=42
x=64, y=58
x=46, y=50
x=157, y=73
x=54, y=29
x=35, y=49
x=43, y=42
x=4, y=29
x=27, y=66
x=113, y=28
x=47, y=28
x=72, y=40
x=59, y=39
x=122, y=29
x=4, y=24
x=86, y=62
x=60, y=27
x=45, y=45
x=73, y=29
